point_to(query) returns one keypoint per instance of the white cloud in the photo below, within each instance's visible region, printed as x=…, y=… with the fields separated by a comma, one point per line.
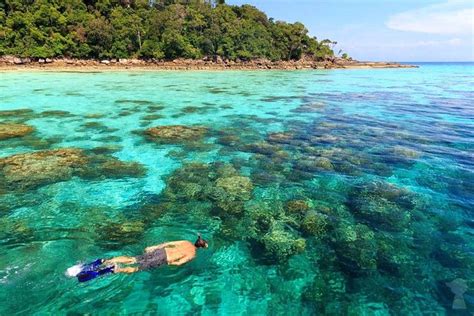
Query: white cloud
x=450, y=42
x=451, y=17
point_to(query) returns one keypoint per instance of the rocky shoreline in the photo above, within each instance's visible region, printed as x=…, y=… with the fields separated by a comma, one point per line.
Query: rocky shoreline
x=65, y=64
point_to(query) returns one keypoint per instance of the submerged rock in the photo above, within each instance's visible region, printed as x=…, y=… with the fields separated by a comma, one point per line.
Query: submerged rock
x=11, y=130
x=176, y=133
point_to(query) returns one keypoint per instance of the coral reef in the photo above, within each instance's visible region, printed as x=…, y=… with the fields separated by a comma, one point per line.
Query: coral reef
x=11, y=130
x=297, y=206
x=264, y=148
x=235, y=187
x=56, y=114
x=406, y=152
x=315, y=224
x=314, y=107
x=282, y=137
x=115, y=235
x=356, y=248
x=176, y=133
x=313, y=164
x=326, y=287
x=279, y=244
x=31, y=170
x=101, y=166
x=384, y=205
x=43, y=167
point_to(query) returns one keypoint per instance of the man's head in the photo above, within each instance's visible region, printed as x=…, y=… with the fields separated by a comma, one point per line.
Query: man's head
x=200, y=243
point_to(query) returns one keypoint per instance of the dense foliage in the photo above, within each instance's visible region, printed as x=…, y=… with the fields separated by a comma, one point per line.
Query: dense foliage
x=162, y=29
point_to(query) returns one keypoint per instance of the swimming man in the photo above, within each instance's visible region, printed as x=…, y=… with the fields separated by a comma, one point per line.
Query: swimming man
x=173, y=253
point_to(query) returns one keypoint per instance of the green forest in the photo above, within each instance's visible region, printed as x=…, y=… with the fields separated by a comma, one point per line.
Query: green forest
x=147, y=29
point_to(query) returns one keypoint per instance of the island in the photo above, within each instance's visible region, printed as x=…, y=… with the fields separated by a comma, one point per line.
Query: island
x=159, y=34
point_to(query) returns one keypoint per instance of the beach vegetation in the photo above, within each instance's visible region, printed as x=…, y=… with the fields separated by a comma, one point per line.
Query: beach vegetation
x=192, y=29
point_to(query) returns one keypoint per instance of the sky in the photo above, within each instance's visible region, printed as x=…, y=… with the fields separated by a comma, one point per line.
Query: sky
x=384, y=30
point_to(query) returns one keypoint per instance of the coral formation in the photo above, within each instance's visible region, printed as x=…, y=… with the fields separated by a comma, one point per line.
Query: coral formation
x=356, y=248
x=17, y=113
x=297, y=206
x=314, y=107
x=315, y=224
x=279, y=244
x=312, y=164
x=11, y=130
x=282, y=137
x=31, y=170
x=235, y=187
x=384, y=205
x=43, y=167
x=176, y=133
x=115, y=235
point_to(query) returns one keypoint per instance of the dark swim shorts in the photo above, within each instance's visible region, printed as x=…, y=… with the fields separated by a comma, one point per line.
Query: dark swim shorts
x=152, y=259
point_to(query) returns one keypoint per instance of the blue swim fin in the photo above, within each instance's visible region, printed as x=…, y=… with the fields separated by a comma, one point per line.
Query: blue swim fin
x=94, y=265
x=85, y=276
x=78, y=268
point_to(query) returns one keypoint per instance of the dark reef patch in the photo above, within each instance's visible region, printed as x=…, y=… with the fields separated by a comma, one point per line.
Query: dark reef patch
x=56, y=114
x=175, y=133
x=197, y=109
x=152, y=117
x=97, y=127
x=33, y=170
x=137, y=102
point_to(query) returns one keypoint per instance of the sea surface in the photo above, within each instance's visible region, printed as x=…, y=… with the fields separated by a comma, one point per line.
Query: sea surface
x=320, y=192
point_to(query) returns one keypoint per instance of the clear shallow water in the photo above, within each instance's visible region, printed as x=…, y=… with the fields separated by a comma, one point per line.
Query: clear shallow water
x=374, y=172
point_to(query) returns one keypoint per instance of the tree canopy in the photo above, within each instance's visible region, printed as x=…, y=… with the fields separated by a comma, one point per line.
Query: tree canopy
x=150, y=29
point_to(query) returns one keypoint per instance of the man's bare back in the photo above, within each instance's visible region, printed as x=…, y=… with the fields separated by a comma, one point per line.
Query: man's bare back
x=177, y=252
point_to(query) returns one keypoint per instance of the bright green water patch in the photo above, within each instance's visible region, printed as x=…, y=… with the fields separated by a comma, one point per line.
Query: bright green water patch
x=319, y=191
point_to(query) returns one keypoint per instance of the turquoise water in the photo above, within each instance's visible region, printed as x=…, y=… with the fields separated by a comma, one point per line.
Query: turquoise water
x=320, y=192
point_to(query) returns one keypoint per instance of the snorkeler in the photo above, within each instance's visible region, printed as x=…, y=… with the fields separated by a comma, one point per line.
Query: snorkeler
x=174, y=253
